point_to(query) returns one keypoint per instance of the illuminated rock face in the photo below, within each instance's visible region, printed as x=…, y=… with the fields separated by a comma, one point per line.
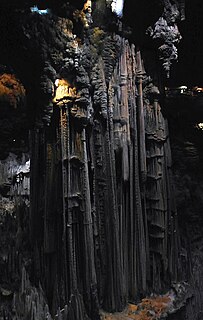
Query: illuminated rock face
x=117, y=7
x=98, y=226
x=64, y=92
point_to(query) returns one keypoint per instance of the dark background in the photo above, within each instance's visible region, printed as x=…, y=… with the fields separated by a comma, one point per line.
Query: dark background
x=189, y=68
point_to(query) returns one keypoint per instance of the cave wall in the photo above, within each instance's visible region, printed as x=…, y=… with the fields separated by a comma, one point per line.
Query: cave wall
x=186, y=145
x=99, y=227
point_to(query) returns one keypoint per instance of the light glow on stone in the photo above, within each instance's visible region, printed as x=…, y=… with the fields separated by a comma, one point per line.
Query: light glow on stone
x=35, y=9
x=200, y=125
x=183, y=89
x=57, y=82
x=117, y=7
x=64, y=91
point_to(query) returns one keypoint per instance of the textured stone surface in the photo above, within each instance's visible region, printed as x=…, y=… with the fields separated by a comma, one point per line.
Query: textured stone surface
x=98, y=226
x=166, y=33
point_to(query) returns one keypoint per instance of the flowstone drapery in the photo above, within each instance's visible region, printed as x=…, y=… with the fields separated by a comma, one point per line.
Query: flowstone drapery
x=101, y=180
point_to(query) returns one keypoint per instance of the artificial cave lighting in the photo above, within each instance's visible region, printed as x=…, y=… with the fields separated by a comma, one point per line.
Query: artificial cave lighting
x=117, y=7
x=182, y=89
x=64, y=91
x=200, y=125
x=41, y=12
x=57, y=82
x=198, y=89
x=88, y=6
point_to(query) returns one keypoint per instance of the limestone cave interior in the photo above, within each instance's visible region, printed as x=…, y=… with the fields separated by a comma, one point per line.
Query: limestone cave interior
x=101, y=160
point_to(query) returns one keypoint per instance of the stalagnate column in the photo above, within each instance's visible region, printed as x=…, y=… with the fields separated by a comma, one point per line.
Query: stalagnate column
x=103, y=218
x=115, y=211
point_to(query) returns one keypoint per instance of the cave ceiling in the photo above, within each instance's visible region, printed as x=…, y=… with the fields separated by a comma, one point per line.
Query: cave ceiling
x=189, y=68
x=138, y=15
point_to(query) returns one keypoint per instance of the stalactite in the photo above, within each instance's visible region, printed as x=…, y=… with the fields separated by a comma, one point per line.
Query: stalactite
x=141, y=125
x=166, y=30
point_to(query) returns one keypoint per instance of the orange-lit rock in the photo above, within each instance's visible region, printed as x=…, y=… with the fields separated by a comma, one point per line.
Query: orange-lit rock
x=152, y=308
x=132, y=308
x=12, y=91
x=64, y=91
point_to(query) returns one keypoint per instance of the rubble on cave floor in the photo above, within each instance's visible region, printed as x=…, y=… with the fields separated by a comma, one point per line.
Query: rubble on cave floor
x=154, y=307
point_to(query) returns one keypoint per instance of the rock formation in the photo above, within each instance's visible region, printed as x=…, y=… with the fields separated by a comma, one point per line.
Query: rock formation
x=88, y=215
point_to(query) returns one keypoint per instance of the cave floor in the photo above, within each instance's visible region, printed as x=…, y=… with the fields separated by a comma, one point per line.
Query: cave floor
x=127, y=314
x=152, y=308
